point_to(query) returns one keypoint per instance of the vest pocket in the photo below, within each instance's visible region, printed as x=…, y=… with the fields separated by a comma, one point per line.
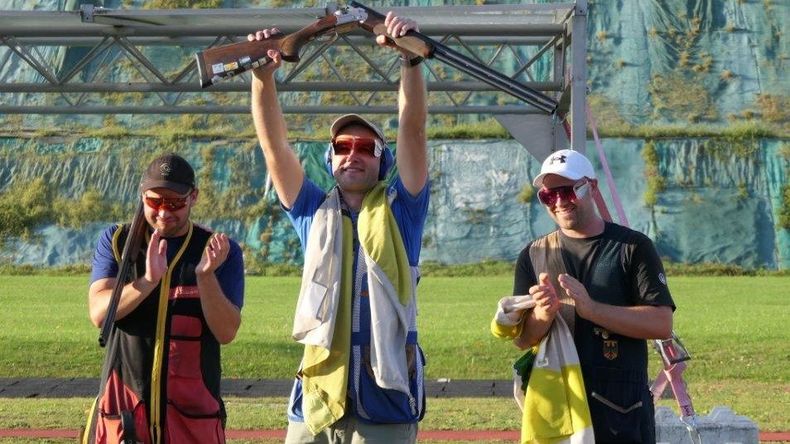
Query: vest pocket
x=616, y=405
x=391, y=406
x=118, y=398
x=185, y=427
x=193, y=414
x=109, y=429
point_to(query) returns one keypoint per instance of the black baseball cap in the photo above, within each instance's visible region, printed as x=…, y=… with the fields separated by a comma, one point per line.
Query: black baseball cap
x=169, y=171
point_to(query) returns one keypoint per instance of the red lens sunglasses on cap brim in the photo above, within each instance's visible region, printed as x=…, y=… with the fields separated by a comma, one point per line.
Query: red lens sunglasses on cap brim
x=166, y=203
x=344, y=144
x=549, y=196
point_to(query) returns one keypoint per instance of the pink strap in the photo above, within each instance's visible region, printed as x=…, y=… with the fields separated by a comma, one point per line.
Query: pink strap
x=672, y=375
x=618, y=205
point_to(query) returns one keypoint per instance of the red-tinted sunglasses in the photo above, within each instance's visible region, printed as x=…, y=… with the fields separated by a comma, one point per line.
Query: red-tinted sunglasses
x=166, y=203
x=549, y=196
x=344, y=144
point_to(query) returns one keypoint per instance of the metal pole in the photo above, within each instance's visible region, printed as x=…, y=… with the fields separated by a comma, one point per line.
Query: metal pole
x=245, y=109
x=579, y=77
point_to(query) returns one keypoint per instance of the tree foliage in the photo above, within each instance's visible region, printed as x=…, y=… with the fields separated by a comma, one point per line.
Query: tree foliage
x=22, y=207
x=25, y=206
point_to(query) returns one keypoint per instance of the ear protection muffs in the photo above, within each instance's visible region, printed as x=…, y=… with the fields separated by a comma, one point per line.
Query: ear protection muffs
x=386, y=163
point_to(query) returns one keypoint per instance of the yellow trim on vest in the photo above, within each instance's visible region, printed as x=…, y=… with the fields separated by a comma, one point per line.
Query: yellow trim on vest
x=86, y=433
x=115, y=236
x=156, y=370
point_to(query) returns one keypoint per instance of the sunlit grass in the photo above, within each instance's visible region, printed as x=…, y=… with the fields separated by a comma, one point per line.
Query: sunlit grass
x=735, y=328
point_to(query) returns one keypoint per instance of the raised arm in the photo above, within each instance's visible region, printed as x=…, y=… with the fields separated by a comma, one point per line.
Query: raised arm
x=282, y=163
x=411, y=155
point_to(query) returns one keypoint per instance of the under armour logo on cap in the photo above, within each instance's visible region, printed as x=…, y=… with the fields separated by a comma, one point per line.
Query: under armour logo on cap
x=567, y=163
x=560, y=159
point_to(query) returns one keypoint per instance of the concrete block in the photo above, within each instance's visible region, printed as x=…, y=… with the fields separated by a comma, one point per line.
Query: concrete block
x=721, y=426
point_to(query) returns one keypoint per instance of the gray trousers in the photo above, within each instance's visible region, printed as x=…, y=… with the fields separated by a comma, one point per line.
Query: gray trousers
x=348, y=430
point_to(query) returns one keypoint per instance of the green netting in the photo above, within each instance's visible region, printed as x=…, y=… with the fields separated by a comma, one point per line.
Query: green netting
x=675, y=60
x=720, y=201
x=656, y=61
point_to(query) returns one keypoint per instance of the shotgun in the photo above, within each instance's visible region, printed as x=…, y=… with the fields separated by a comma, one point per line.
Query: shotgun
x=216, y=64
x=128, y=258
x=429, y=48
x=222, y=62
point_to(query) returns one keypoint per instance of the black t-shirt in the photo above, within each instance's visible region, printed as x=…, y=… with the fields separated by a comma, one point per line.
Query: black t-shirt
x=619, y=267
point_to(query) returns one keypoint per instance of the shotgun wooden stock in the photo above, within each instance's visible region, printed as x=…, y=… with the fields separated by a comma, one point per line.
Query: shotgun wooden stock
x=221, y=62
x=128, y=258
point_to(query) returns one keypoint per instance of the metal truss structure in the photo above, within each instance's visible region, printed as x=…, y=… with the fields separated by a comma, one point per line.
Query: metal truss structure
x=103, y=61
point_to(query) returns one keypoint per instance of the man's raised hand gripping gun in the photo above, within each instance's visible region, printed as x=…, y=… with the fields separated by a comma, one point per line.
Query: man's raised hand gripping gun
x=222, y=62
x=426, y=47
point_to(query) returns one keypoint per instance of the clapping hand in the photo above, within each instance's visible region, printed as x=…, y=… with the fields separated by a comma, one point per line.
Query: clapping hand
x=215, y=253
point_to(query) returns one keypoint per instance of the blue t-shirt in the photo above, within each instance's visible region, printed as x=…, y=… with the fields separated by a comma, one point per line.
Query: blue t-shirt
x=367, y=401
x=230, y=274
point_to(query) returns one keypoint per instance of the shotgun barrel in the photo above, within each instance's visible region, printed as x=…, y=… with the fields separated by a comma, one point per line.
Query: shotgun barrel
x=427, y=47
x=128, y=258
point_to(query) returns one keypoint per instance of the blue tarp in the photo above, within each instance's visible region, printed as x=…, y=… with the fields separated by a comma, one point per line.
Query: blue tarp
x=717, y=206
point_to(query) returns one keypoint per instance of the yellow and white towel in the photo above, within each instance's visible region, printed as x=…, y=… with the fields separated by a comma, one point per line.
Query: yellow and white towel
x=322, y=321
x=555, y=404
x=554, y=407
x=391, y=287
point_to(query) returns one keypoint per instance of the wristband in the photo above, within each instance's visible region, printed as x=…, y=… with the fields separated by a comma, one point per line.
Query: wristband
x=410, y=63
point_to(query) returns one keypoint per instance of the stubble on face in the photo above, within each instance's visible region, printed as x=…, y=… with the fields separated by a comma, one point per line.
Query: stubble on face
x=355, y=172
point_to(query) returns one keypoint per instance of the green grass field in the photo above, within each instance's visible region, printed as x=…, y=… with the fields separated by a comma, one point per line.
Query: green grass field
x=735, y=327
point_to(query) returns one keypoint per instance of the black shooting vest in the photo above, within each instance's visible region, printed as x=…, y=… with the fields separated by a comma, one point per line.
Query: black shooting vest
x=163, y=362
x=614, y=366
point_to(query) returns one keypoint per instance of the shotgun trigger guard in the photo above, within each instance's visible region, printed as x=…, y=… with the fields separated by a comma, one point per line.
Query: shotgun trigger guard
x=330, y=37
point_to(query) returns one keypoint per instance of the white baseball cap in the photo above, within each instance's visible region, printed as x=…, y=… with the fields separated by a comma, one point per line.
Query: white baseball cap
x=569, y=164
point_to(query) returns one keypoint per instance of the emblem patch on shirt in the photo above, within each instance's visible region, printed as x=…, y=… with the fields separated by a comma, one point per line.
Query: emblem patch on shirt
x=602, y=332
x=662, y=278
x=610, y=350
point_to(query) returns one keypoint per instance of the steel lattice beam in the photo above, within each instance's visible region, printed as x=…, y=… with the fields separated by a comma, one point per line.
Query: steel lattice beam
x=71, y=62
